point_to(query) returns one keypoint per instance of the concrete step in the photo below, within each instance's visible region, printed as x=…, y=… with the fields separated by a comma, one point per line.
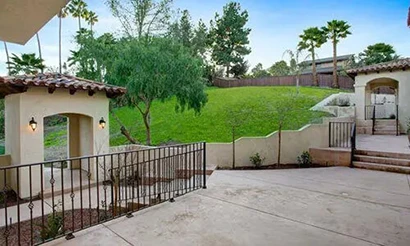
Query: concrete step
x=392, y=128
x=382, y=160
x=381, y=167
x=385, y=132
x=383, y=154
x=385, y=122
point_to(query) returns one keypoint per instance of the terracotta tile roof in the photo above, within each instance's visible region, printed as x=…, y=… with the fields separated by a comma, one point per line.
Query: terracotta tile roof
x=20, y=83
x=400, y=64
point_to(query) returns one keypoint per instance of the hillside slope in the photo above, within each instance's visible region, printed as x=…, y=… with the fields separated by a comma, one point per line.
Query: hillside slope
x=211, y=125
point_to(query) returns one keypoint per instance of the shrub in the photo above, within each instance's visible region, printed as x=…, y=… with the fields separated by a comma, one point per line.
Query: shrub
x=54, y=225
x=256, y=160
x=305, y=160
x=392, y=116
x=408, y=126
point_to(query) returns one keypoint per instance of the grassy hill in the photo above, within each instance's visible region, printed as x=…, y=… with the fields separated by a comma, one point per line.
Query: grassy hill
x=211, y=125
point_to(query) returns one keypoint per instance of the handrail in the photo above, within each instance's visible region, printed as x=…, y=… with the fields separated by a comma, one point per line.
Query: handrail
x=374, y=119
x=103, y=187
x=397, y=120
x=353, y=143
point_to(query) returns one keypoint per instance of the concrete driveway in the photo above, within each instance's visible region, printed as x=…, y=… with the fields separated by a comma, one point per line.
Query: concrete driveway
x=324, y=206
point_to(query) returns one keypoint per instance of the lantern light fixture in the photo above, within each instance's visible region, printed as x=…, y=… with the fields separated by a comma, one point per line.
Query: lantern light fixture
x=102, y=123
x=33, y=124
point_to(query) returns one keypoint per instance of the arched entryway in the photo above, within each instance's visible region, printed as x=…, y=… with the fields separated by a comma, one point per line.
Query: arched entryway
x=382, y=99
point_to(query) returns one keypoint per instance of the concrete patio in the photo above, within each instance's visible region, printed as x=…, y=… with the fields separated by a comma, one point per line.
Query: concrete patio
x=325, y=206
x=384, y=143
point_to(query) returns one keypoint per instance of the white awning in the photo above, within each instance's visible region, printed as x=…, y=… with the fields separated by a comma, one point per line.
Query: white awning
x=22, y=19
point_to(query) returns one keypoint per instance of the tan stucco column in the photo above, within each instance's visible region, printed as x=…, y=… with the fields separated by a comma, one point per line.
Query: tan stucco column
x=360, y=95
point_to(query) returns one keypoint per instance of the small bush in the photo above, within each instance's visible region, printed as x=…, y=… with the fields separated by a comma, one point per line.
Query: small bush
x=344, y=102
x=54, y=226
x=392, y=116
x=256, y=160
x=305, y=160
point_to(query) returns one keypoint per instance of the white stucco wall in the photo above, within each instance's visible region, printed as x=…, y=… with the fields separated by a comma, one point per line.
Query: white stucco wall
x=26, y=146
x=363, y=98
x=293, y=144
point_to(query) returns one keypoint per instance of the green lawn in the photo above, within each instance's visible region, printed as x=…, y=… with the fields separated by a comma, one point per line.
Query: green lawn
x=211, y=125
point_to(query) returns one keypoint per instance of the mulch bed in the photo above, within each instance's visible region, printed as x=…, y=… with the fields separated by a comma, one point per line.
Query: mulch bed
x=274, y=166
x=12, y=199
x=89, y=218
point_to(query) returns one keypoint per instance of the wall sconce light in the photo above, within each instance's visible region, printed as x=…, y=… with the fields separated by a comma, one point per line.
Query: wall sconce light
x=33, y=124
x=102, y=123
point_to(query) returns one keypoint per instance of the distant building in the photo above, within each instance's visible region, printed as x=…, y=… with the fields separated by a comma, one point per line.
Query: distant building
x=325, y=65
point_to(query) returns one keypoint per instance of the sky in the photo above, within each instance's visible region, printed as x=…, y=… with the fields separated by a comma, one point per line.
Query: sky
x=276, y=26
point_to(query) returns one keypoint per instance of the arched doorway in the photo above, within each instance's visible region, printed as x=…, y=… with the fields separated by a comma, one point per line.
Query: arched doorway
x=67, y=135
x=381, y=105
x=382, y=97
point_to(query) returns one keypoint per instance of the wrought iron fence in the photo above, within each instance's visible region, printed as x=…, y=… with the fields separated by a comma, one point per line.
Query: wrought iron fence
x=44, y=201
x=340, y=134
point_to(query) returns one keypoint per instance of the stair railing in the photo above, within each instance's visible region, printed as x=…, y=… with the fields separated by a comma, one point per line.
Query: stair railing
x=397, y=120
x=353, y=143
x=374, y=119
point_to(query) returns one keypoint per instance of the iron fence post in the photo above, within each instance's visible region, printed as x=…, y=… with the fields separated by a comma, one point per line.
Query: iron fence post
x=204, y=165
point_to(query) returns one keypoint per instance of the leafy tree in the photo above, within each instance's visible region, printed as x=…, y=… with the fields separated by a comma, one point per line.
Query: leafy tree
x=142, y=18
x=78, y=9
x=158, y=70
x=311, y=39
x=237, y=116
x=200, y=40
x=26, y=64
x=240, y=69
x=182, y=30
x=335, y=31
x=377, y=53
x=285, y=113
x=279, y=68
x=259, y=72
x=229, y=37
x=296, y=65
x=93, y=58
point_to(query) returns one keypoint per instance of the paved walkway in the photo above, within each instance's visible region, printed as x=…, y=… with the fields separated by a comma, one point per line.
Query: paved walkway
x=325, y=206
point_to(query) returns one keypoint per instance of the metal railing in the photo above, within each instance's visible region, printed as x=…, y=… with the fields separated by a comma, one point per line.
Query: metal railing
x=397, y=121
x=353, y=143
x=339, y=134
x=44, y=201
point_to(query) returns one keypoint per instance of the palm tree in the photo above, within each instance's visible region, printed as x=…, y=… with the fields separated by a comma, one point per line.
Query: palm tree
x=92, y=18
x=39, y=48
x=296, y=64
x=335, y=31
x=27, y=64
x=7, y=56
x=62, y=14
x=312, y=38
x=78, y=9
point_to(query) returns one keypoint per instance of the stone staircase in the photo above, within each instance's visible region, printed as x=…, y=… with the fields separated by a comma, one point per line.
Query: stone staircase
x=382, y=161
x=385, y=127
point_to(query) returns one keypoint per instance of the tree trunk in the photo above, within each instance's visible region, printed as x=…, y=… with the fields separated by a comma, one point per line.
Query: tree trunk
x=79, y=23
x=39, y=49
x=59, y=43
x=39, y=46
x=315, y=82
x=7, y=56
x=227, y=70
x=297, y=84
x=233, y=147
x=279, y=142
x=123, y=129
x=146, y=117
x=335, y=78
